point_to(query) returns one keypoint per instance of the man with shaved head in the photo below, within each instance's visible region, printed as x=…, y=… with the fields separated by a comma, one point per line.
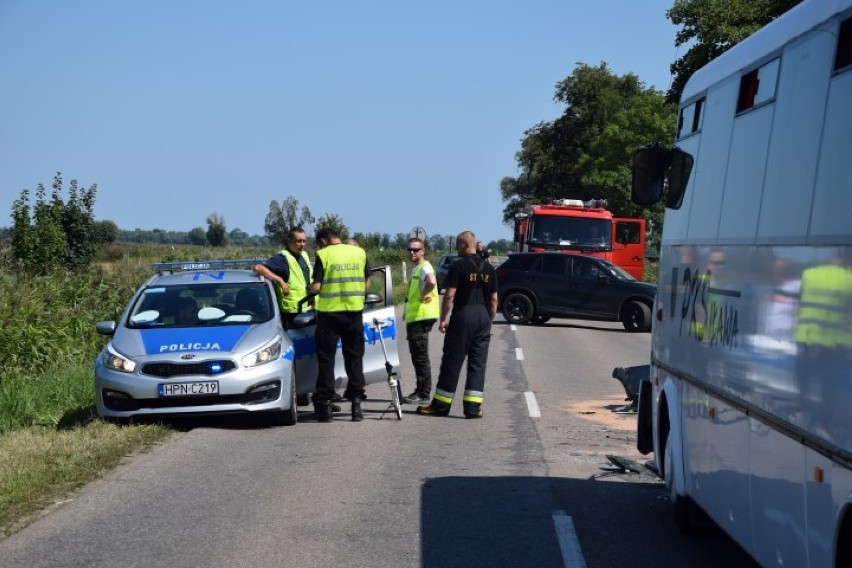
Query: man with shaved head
x=471, y=294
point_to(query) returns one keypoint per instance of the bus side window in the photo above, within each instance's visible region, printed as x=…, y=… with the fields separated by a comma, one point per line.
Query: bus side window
x=758, y=86
x=843, y=58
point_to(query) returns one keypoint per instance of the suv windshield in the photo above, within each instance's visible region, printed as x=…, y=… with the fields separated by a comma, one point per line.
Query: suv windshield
x=618, y=272
x=201, y=304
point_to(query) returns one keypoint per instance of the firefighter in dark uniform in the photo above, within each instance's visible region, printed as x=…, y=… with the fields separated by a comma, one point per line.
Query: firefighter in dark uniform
x=471, y=293
x=341, y=277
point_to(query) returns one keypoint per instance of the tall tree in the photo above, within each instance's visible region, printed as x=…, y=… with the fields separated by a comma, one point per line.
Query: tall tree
x=370, y=241
x=78, y=222
x=106, y=231
x=400, y=240
x=713, y=27
x=22, y=229
x=237, y=235
x=335, y=222
x=217, y=232
x=585, y=153
x=197, y=236
x=54, y=233
x=283, y=217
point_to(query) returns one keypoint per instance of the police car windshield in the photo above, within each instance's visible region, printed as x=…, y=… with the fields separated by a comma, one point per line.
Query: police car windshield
x=201, y=305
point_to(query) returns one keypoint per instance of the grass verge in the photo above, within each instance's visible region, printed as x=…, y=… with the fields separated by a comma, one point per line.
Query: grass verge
x=42, y=466
x=51, y=444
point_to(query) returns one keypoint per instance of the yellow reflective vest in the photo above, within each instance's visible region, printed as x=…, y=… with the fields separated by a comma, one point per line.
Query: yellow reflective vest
x=297, y=284
x=415, y=309
x=342, y=287
x=824, y=307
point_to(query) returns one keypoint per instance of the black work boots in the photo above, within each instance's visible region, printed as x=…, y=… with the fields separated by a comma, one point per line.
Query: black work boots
x=324, y=412
x=357, y=415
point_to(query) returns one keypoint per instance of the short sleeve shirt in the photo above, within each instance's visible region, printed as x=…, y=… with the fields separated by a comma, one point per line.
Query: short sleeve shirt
x=469, y=273
x=279, y=265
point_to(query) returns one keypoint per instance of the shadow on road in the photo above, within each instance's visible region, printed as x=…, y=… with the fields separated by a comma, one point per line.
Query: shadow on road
x=508, y=521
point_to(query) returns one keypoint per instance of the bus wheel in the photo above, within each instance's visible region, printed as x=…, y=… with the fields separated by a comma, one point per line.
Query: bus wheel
x=681, y=505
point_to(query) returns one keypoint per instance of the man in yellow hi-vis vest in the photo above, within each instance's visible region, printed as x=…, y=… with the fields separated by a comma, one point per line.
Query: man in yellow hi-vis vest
x=823, y=334
x=421, y=312
x=341, y=277
x=290, y=269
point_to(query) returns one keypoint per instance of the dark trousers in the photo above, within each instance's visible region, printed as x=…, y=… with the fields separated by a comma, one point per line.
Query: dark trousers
x=348, y=327
x=823, y=373
x=468, y=336
x=418, y=346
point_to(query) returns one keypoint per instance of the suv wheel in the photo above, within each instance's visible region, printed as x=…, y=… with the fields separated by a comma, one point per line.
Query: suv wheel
x=636, y=316
x=518, y=308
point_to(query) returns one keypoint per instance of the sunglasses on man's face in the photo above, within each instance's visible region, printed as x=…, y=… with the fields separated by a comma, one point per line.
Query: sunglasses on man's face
x=414, y=250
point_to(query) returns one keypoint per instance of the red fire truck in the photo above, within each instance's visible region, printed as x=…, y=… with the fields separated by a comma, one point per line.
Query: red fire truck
x=582, y=227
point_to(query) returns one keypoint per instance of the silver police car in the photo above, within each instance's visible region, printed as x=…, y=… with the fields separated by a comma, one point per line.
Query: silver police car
x=207, y=337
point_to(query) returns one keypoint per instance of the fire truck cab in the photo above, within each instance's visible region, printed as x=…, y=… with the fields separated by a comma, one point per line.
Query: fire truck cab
x=573, y=226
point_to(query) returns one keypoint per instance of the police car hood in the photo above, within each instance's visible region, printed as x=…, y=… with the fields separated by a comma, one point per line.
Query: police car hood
x=200, y=340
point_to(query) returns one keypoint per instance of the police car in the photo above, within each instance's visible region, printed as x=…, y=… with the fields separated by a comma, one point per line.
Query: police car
x=207, y=337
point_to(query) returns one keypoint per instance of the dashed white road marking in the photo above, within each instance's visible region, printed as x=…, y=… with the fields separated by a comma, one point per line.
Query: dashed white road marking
x=572, y=556
x=513, y=327
x=519, y=354
x=532, y=405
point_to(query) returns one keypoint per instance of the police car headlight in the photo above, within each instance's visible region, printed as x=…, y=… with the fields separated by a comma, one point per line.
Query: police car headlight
x=113, y=360
x=264, y=355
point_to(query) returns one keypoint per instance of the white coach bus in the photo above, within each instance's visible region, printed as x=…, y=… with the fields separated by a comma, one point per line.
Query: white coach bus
x=748, y=409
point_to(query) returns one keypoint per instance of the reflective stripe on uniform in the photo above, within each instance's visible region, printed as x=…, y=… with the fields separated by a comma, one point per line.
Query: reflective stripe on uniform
x=472, y=396
x=443, y=396
x=342, y=287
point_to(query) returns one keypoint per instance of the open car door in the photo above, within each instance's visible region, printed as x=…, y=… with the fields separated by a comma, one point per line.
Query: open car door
x=379, y=306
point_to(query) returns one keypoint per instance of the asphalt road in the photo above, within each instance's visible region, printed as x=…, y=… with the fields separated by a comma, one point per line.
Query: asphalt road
x=508, y=490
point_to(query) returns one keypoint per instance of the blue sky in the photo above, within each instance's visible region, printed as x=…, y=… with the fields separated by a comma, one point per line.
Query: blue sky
x=390, y=114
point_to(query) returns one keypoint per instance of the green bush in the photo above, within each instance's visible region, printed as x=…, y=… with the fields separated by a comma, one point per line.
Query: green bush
x=54, y=399
x=51, y=322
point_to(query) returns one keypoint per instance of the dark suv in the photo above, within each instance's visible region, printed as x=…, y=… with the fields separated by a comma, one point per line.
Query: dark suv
x=536, y=286
x=442, y=268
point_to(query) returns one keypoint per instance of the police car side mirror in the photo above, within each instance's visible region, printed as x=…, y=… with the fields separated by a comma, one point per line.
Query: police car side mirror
x=372, y=298
x=105, y=327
